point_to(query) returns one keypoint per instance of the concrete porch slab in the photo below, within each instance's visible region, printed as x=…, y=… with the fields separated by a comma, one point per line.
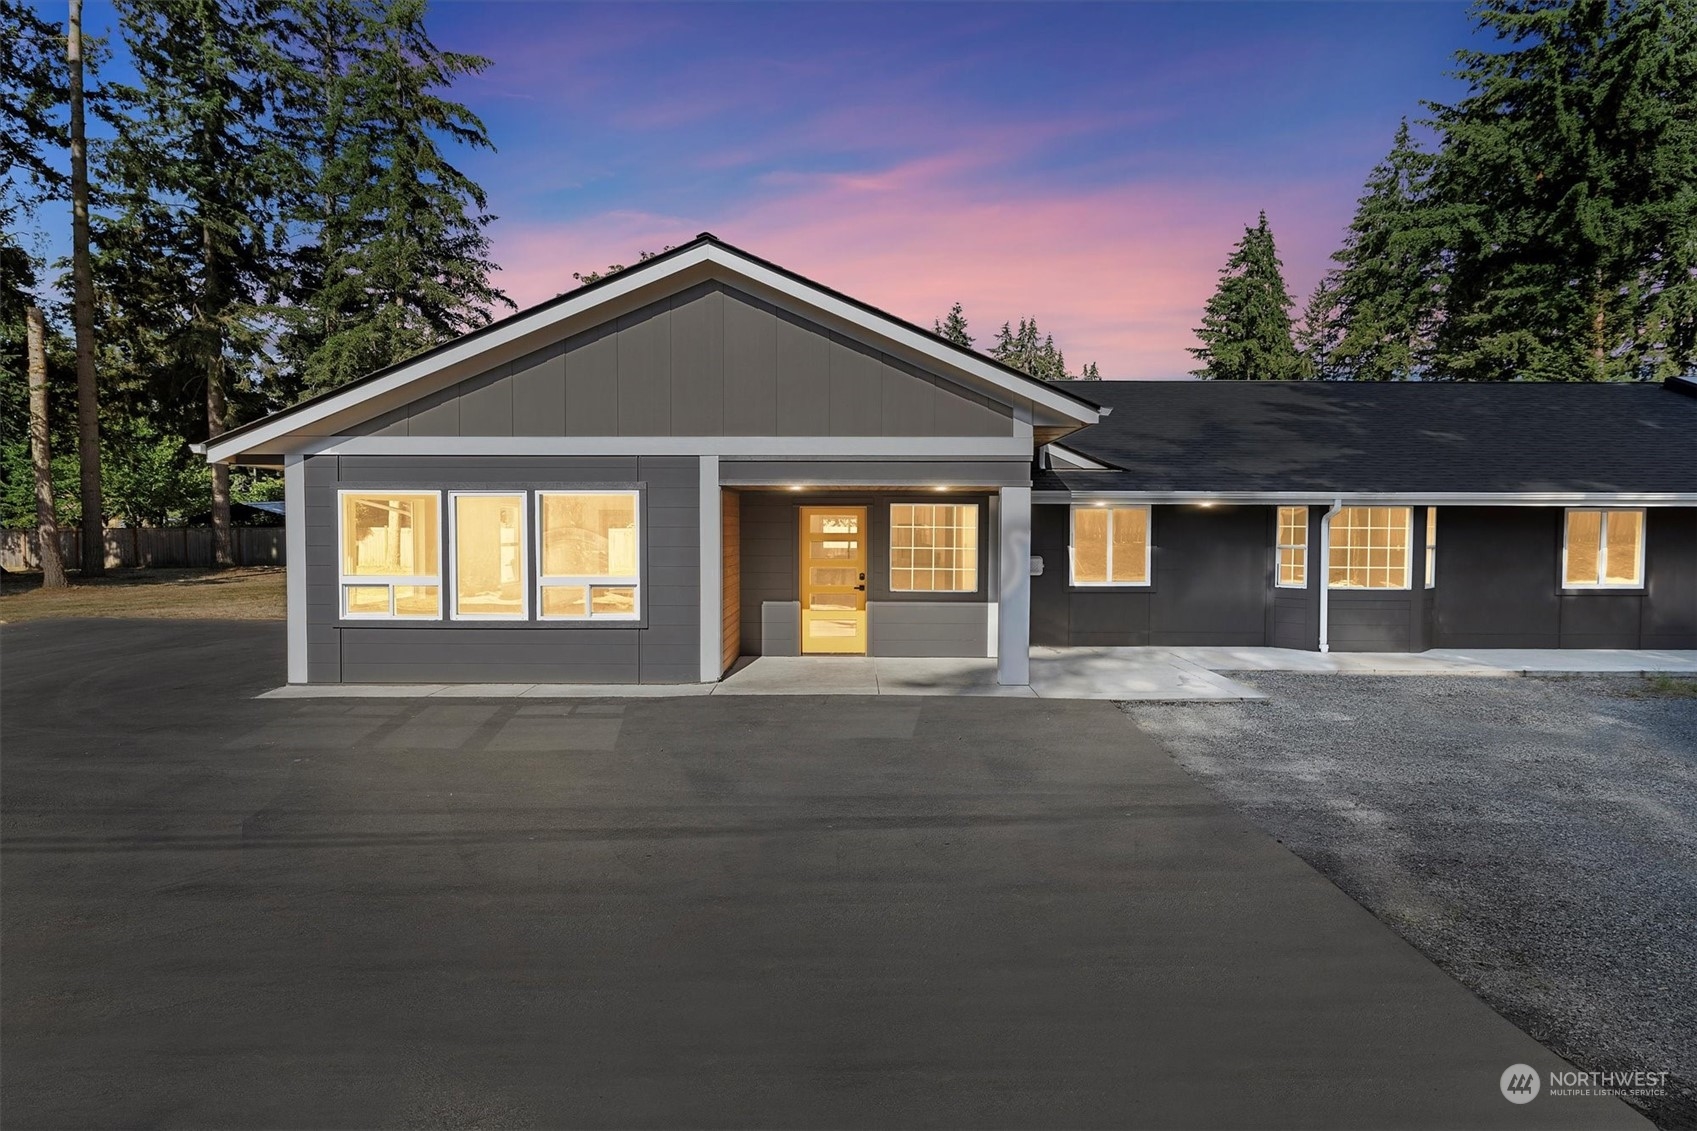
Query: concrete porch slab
x=1438, y=661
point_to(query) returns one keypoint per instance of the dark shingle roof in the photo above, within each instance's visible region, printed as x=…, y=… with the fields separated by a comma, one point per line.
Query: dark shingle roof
x=1369, y=437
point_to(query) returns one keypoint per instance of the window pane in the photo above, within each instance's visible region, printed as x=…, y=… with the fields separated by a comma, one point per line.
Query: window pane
x=1369, y=548
x=367, y=600
x=1090, y=544
x=564, y=601
x=1584, y=546
x=389, y=535
x=934, y=547
x=588, y=535
x=418, y=601
x=612, y=600
x=1131, y=544
x=489, y=555
x=1625, y=536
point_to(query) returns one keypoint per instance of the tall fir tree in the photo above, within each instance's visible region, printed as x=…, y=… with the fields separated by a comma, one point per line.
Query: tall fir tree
x=1386, y=289
x=1567, y=188
x=1034, y=353
x=1245, y=331
x=33, y=93
x=397, y=260
x=197, y=172
x=1321, y=329
x=953, y=327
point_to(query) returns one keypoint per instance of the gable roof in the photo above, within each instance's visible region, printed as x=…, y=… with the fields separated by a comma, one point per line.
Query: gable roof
x=1321, y=438
x=706, y=256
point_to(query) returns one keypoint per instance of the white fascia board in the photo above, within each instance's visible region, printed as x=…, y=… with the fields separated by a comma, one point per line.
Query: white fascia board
x=1379, y=498
x=319, y=419
x=1066, y=457
x=732, y=447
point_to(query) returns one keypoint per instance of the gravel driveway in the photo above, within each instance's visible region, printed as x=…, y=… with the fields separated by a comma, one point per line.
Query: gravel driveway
x=1537, y=838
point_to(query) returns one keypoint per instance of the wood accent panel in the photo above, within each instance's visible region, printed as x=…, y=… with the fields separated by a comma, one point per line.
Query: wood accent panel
x=730, y=511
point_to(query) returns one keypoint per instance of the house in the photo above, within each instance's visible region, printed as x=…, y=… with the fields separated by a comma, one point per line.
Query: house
x=708, y=456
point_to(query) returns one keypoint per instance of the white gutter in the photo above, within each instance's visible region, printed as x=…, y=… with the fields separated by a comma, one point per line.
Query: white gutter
x=1325, y=566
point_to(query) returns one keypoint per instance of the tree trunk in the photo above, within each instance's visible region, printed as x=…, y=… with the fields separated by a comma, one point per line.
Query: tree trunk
x=216, y=409
x=82, y=281
x=41, y=455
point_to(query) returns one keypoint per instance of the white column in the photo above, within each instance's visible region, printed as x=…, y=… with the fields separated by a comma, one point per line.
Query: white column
x=712, y=571
x=294, y=561
x=1013, y=618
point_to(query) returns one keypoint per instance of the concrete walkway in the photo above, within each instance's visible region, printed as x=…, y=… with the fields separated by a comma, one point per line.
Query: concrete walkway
x=1438, y=661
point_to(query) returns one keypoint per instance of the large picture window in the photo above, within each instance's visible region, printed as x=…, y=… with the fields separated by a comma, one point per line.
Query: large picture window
x=590, y=554
x=390, y=554
x=1293, y=548
x=1109, y=545
x=1369, y=548
x=934, y=548
x=1603, y=549
x=486, y=531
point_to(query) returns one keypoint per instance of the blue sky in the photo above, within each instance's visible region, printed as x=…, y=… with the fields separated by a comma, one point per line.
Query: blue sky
x=1087, y=164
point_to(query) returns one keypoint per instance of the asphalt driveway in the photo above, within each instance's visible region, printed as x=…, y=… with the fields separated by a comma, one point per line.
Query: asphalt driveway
x=221, y=911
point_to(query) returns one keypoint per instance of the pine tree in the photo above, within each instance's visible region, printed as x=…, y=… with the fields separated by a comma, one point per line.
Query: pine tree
x=1321, y=329
x=1386, y=288
x=197, y=171
x=1245, y=331
x=1567, y=190
x=33, y=92
x=399, y=259
x=953, y=327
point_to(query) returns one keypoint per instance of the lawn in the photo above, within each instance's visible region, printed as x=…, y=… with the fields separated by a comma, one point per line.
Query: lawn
x=247, y=593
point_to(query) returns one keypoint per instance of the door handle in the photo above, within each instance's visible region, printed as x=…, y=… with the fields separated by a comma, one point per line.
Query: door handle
x=862, y=588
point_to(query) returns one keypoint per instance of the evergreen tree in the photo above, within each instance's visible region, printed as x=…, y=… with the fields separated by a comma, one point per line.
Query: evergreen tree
x=1245, y=331
x=1566, y=188
x=1035, y=354
x=1385, y=291
x=1321, y=329
x=953, y=327
x=197, y=171
x=1089, y=373
x=399, y=259
x=32, y=98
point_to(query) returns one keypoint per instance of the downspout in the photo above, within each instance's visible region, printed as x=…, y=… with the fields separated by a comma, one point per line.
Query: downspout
x=1325, y=569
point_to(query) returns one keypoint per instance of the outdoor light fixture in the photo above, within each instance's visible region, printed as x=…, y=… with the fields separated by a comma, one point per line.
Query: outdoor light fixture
x=795, y=486
x=939, y=488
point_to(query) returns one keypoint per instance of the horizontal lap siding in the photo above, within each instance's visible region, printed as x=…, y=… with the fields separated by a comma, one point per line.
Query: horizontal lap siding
x=663, y=649
x=912, y=628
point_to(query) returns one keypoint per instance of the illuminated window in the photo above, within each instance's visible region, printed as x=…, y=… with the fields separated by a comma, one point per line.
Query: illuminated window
x=1293, y=547
x=1603, y=549
x=1110, y=546
x=1431, y=547
x=1370, y=548
x=487, y=533
x=390, y=547
x=934, y=548
x=589, y=555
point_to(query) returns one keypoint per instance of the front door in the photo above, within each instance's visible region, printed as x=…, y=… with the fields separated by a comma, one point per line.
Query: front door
x=833, y=579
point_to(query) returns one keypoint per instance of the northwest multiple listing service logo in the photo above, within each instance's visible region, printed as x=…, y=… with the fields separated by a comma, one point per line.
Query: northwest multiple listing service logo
x=1519, y=1084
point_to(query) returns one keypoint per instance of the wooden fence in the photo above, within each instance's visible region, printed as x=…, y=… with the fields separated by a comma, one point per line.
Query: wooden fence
x=133, y=546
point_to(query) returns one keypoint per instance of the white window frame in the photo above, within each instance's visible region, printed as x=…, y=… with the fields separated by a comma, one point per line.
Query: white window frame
x=1407, y=557
x=1431, y=548
x=890, y=538
x=1602, y=581
x=453, y=571
x=1148, y=547
x=1280, y=546
x=563, y=582
x=344, y=580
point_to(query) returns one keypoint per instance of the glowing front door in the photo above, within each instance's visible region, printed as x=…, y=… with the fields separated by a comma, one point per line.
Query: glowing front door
x=833, y=579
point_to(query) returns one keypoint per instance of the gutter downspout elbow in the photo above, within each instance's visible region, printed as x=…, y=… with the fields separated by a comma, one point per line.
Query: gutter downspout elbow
x=1324, y=574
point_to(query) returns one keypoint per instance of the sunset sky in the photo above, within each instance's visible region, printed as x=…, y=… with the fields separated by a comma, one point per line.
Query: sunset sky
x=1090, y=165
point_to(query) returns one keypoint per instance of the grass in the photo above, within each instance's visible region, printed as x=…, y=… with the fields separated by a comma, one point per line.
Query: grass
x=1670, y=687
x=246, y=593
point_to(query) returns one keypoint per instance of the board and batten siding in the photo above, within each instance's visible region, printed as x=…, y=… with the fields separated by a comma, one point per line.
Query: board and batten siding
x=730, y=518
x=663, y=647
x=708, y=361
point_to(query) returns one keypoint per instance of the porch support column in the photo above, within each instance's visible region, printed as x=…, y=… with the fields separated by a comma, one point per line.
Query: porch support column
x=712, y=595
x=1013, y=618
x=294, y=561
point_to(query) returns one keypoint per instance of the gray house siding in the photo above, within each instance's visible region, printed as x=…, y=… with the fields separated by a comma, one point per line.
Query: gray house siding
x=660, y=648
x=898, y=624
x=709, y=361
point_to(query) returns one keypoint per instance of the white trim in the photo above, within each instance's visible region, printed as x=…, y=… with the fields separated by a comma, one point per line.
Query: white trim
x=536, y=322
x=1326, y=577
x=565, y=581
x=294, y=564
x=1602, y=584
x=1062, y=456
x=1280, y=546
x=1109, y=582
x=453, y=570
x=1377, y=498
x=1429, y=558
x=712, y=557
x=1407, y=556
x=346, y=581
x=1013, y=617
x=741, y=448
